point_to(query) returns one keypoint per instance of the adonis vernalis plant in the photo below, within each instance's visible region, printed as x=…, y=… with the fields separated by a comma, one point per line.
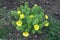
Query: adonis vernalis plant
x=29, y=20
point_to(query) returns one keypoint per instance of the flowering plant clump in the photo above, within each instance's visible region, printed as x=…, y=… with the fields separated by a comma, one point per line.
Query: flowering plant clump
x=29, y=20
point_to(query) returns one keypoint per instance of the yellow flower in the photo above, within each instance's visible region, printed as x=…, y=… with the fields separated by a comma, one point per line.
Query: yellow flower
x=46, y=23
x=22, y=16
x=25, y=34
x=35, y=5
x=46, y=16
x=19, y=23
x=36, y=27
x=18, y=12
x=31, y=16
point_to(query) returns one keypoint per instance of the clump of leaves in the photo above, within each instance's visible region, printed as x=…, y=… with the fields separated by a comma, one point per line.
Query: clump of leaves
x=54, y=29
x=29, y=20
x=4, y=32
x=4, y=24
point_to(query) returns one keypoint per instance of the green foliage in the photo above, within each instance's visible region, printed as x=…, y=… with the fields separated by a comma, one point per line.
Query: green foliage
x=54, y=29
x=4, y=32
x=29, y=18
x=1, y=3
x=28, y=23
x=4, y=23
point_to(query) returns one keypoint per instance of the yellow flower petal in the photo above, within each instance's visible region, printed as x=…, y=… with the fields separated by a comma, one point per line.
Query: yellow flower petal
x=22, y=16
x=31, y=16
x=35, y=5
x=18, y=12
x=19, y=23
x=46, y=16
x=36, y=27
x=46, y=23
x=25, y=34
